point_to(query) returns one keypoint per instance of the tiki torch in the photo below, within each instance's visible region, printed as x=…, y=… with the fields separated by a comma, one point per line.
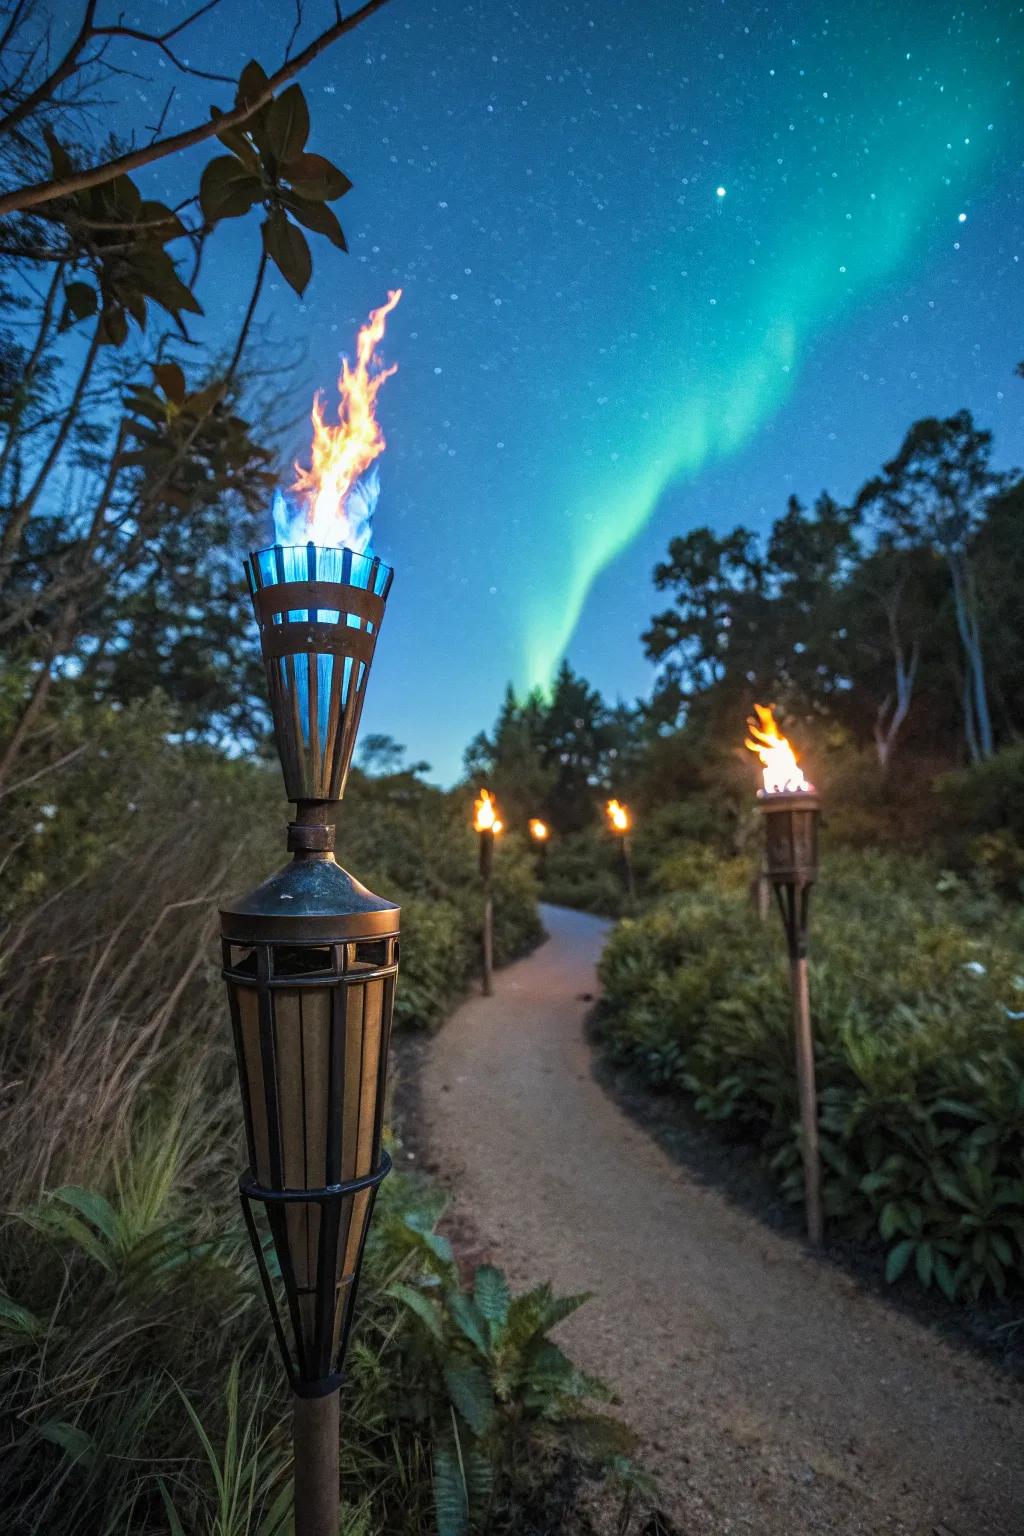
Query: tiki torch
x=540, y=832
x=790, y=808
x=311, y=956
x=487, y=823
x=620, y=823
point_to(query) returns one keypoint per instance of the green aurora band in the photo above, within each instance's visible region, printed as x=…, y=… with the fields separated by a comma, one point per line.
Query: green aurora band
x=875, y=171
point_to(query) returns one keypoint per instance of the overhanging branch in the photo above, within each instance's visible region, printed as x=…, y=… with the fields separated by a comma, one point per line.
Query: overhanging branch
x=46, y=191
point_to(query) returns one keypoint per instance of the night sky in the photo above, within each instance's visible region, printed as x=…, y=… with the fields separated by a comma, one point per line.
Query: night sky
x=663, y=265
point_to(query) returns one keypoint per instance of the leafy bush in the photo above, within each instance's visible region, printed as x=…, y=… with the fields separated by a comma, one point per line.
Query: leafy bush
x=583, y=870
x=918, y=999
x=142, y=1393
x=983, y=809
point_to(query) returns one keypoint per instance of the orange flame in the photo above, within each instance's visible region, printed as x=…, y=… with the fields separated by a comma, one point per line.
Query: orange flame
x=538, y=829
x=485, y=817
x=618, y=816
x=341, y=454
x=780, y=771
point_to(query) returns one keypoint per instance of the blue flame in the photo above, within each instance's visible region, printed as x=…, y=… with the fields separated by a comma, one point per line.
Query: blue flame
x=344, y=527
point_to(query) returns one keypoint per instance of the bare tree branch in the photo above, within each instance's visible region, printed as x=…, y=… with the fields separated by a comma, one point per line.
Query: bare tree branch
x=67, y=66
x=161, y=40
x=46, y=191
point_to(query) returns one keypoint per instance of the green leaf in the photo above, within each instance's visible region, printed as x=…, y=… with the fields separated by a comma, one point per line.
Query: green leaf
x=165, y=222
x=491, y=1294
x=315, y=178
x=468, y=1320
x=947, y=1281
x=155, y=276
x=317, y=217
x=286, y=246
x=450, y=1502
x=94, y=1207
x=287, y=124
x=73, y=1441
x=174, y=1525
x=418, y=1303
x=81, y=299
x=470, y=1391
x=171, y=380
x=924, y=1262
x=18, y=1319
x=235, y=139
x=113, y=326
x=251, y=82
x=227, y=189
x=898, y=1259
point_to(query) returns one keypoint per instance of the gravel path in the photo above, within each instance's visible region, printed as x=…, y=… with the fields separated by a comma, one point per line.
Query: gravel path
x=771, y=1395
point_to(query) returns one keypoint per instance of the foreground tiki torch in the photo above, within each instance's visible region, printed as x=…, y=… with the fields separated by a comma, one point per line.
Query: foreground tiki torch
x=487, y=823
x=540, y=832
x=311, y=956
x=790, y=807
x=619, y=822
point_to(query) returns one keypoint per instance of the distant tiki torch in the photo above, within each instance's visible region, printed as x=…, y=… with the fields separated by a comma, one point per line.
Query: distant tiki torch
x=540, y=832
x=790, y=808
x=620, y=823
x=487, y=824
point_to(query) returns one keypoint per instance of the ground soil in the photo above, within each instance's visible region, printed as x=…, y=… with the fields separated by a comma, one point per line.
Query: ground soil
x=772, y=1392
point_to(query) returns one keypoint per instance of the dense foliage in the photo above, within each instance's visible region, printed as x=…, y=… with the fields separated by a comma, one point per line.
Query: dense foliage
x=918, y=1001
x=141, y=1388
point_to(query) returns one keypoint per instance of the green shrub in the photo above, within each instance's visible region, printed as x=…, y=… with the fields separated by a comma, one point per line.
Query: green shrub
x=917, y=993
x=983, y=819
x=141, y=1389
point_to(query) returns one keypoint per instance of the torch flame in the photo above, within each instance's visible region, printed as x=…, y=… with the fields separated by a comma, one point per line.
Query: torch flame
x=538, y=829
x=486, y=813
x=780, y=771
x=334, y=505
x=618, y=816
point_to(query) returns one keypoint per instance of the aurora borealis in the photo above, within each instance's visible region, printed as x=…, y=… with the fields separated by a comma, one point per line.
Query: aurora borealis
x=596, y=348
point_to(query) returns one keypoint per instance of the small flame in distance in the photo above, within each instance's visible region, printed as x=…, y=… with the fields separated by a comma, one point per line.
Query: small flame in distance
x=618, y=816
x=538, y=829
x=780, y=771
x=485, y=817
x=332, y=502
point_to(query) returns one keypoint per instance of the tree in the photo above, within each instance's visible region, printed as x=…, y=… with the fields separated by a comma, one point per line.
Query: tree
x=123, y=477
x=933, y=494
x=713, y=580
x=575, y=736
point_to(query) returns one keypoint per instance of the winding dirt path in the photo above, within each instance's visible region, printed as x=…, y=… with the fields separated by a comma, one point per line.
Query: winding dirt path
x=770, y=1393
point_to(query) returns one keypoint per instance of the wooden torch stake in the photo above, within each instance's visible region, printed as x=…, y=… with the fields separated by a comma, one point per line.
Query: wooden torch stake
x=488, y=986
x=808, y=1099
x=486, y=869
x=315, y=1433
x=627, y=866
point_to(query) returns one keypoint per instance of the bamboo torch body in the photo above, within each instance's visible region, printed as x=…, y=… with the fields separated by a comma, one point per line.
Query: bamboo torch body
x=620, y=824
x=487, y=824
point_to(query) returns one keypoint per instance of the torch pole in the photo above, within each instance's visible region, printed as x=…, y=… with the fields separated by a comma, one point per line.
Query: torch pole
x=486, y=867
x=793, y=900
x=315, y=1433
x=627, y=870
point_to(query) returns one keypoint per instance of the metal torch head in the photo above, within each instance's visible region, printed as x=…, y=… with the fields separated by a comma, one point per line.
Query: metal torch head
x=311, y=963
x=791, y=837
x=319, y=613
